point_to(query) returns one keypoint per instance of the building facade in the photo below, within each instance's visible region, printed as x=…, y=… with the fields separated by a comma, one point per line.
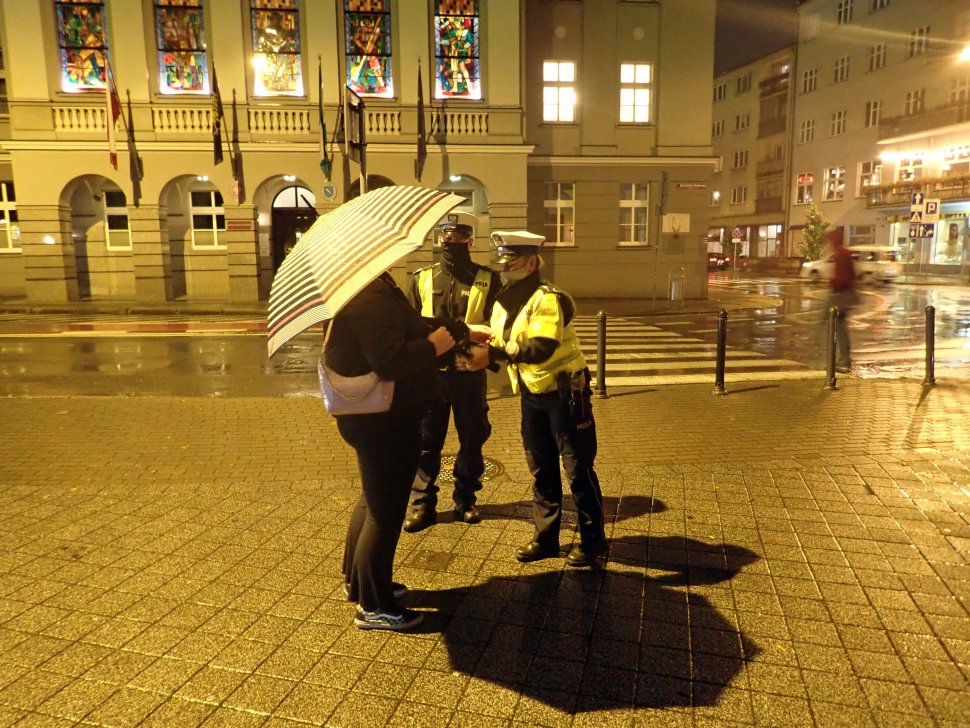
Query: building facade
x=750, y=134
x=882, y=113
x=576, y=119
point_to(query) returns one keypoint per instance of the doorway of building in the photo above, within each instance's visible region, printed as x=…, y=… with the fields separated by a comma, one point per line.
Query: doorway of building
x=294, y=211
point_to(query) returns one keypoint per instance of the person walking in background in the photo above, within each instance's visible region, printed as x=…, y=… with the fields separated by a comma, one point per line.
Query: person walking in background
x=533, y=334
x=379, y=331
x=458, y=289
x=843, y=296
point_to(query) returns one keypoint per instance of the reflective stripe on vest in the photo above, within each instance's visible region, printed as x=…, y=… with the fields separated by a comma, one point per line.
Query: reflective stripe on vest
x=477, y=294
x=540, y=317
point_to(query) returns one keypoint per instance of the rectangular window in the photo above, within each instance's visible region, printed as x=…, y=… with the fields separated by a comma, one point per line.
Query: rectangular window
x=743, y=84
x=870, y=175
x=861, y=235
x=877, y=56
x=4, y=104
x=837, y=124
x=909, y=169
x=276, y=48
x=740, y=159
x=183, y=64
x=635, y=80
x=844, y=12
x=9, y=224
x=742, y=121
x=806, y=132
x=82, y=41
x=715, y=198
x=835, y=183
x=717, y=129
x=959, y=89
x=914, y=102
x=873, y=111
x=208, y=219
x=739, y=195
x=457, y=50
x=634, y=213
x=720, y=91
x=919, y=41
x=842, y=69
x=116, y=225
x=558, y=91
x=367, y=47
x=809, y=80
x=560, y=209
x=804, y=189
x=878, y=5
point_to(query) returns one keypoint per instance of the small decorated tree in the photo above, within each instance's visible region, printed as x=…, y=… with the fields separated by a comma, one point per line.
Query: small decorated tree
x=813, y=240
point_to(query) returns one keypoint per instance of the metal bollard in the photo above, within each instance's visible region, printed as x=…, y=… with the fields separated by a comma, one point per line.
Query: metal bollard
x=721, y=352
x=830, y=351
x=601, y=356
x=930, y=379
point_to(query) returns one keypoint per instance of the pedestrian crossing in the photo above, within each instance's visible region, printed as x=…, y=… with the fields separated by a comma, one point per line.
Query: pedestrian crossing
x=645, y=354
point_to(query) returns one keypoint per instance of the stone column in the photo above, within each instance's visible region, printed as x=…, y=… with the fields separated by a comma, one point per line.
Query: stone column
x=50, y=269
x=150, y=250
x=242, y=242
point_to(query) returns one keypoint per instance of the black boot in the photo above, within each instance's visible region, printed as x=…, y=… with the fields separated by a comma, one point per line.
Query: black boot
x=419, y=519
x=535, y=551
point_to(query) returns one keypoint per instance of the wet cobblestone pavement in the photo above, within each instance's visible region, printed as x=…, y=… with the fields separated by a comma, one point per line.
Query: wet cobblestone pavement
x=780, y=556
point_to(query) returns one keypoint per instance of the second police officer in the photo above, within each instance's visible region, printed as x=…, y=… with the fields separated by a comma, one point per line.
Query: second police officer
x=456, y=288
x=533, y=334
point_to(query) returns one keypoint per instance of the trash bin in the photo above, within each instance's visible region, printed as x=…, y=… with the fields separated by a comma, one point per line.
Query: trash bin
x=676, y=285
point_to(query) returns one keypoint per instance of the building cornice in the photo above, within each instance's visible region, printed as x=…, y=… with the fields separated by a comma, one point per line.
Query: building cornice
x=564, y=161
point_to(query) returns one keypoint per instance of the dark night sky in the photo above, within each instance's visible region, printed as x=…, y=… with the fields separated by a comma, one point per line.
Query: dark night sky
x=749, y=29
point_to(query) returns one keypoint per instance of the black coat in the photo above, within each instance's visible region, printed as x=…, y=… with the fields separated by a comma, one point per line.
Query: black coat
x=379, y=331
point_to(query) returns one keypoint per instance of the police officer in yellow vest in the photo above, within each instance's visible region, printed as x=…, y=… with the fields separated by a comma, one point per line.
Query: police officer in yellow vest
x=456, y=288
x=533, y=335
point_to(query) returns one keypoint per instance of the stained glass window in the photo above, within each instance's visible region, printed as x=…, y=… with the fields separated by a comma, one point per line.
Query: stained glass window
x=182, y=63
x=457, y=68
x=367, y=38
x=276, y=47
x=80, y=36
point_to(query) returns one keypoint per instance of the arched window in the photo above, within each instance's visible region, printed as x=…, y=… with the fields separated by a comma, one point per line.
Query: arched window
x=367, y=42
x=295, y=196
x=82, y=43
x=183, y=66
x=276, y=48
x=457, y=44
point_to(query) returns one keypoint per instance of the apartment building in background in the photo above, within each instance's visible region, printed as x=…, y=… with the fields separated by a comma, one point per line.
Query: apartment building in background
x=586, y=122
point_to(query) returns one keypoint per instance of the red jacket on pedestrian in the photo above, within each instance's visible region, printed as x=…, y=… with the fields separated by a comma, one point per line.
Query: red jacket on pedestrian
x=843, y=277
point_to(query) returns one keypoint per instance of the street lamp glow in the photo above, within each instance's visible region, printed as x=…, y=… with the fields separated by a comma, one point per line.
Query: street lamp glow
x=49, y=240
x=289, y=177
x=964, y=56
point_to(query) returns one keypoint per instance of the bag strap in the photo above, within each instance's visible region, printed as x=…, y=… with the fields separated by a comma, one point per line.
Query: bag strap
x=325, y=372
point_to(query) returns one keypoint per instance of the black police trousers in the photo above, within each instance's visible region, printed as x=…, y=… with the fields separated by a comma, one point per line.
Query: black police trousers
x=462, y=394
x=554, y=427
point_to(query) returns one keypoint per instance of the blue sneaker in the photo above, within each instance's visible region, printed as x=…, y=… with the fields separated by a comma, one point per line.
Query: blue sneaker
x=399, y=590
x=400, y=621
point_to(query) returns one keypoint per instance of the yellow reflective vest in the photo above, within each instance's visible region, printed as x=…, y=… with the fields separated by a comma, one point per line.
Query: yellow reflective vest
x=477, y=293
x=541, y=316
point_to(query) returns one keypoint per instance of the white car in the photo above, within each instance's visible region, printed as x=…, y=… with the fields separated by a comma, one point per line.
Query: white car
x=872, y=263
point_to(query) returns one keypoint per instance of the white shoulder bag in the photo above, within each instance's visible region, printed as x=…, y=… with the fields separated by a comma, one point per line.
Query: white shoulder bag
x=363, y=395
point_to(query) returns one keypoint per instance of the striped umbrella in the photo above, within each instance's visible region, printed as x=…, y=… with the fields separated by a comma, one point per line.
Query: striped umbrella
x=345, y=250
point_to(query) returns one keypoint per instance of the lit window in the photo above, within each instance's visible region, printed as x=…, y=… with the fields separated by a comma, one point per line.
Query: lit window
x=804, y=190
x=9, y=224
x=208, y=219
x=276, y=48
x=457, y=43
x=715, y=198
x=635, y=80
x=83, y=47
x=870, y=174
x=558, y=91
x=634, y=213
x=560, y=208
x=117, y=227
x=834, y=183
x=367, y=39
x=909, y=169
x=183, y=64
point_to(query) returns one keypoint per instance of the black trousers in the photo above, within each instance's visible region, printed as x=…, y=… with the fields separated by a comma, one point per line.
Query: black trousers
x=554, y=428
x=462, y=394
x=387, y=447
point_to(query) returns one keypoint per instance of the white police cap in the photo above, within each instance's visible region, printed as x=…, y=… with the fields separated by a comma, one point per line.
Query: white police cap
x=461, y=222
x=512, y=244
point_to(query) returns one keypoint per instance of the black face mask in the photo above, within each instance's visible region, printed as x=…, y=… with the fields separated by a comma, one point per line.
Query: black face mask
x=456, y=252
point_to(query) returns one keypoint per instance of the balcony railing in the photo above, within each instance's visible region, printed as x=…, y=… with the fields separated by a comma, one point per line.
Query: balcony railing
x=770, y=167
x=901, y=193
x=768, y=204
x=774, y=84
x=946, y=115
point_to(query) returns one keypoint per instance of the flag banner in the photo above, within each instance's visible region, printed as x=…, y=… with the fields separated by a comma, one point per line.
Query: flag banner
x=422, y=132
x=135, y=169
x=112, y=112
x=216, y=119
x=326, y=163
x=356, y=138
x=235, y=158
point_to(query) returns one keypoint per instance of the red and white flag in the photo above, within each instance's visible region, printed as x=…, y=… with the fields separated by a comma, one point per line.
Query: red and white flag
x=112, y=112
